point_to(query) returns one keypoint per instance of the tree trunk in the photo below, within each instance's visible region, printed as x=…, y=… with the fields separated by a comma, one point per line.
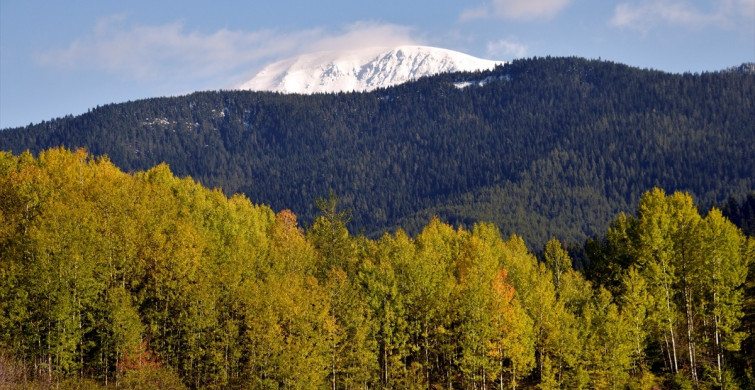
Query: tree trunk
x=673, y=347
x=691, y=344
x=690, y=325
x=667, y=288
x=668, y=351
x=513, y=375
x=333, y=365
x=719, y=356
x=385, y=365
x=427, y=358
x=638, y=340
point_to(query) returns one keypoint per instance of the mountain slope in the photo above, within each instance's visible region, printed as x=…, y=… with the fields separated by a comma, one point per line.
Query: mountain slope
x=542, y=147
x=361, y=70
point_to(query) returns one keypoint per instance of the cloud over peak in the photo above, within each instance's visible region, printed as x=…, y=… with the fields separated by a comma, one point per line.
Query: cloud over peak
x=516, y=10
x=506, y=49
x=169, y=51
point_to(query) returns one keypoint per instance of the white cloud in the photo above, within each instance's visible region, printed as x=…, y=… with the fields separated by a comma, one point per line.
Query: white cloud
x=737, y=13
x=366, y=34
x=516, y=9
x=649, y=14
x=169, y=51
x=506, y=49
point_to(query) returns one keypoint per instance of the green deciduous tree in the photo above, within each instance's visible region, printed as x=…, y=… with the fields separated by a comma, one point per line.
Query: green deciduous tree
x=723, y=273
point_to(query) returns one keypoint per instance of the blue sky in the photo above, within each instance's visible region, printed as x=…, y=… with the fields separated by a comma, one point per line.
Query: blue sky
x=64, y=57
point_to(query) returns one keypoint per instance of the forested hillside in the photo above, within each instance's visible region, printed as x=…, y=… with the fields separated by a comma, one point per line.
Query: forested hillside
x=542, y=147
x=741, y=212
x=147, y=280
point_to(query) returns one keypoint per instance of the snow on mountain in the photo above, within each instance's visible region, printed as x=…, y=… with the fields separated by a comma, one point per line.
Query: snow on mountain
x=361, y=70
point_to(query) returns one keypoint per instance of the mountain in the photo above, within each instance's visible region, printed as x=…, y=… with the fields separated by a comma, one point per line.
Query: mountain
x=361, y=70
x=541, y=147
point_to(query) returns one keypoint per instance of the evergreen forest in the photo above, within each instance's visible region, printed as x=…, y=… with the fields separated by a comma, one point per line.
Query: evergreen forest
x=142, y=280
x=541, y=147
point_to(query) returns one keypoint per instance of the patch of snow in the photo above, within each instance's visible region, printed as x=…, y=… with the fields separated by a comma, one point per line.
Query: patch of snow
x=156, y=122
x=481, y=83
x=361, y=70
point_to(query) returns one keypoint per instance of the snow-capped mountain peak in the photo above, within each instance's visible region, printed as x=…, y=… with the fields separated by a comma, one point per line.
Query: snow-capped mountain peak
x=361, y=70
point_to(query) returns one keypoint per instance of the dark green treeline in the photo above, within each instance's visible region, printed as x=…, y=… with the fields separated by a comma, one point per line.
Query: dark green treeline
x=148, y=280
x=566, y=143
